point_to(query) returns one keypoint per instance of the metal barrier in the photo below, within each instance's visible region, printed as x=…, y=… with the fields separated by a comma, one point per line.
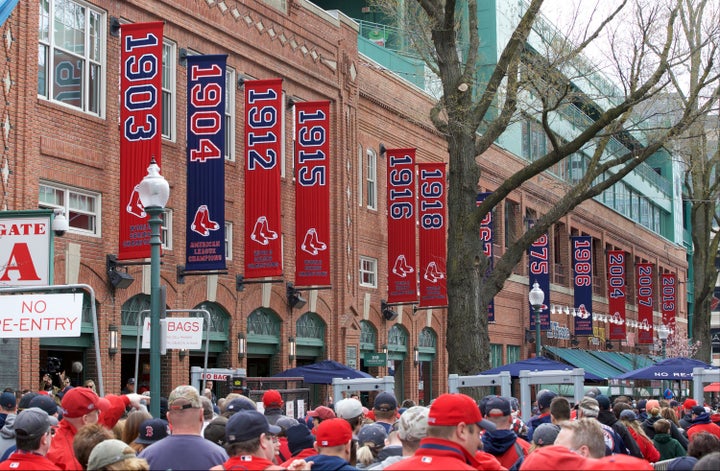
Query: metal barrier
x=340, y=386
x=576, y=377
x=502, y=379
x=702, y=376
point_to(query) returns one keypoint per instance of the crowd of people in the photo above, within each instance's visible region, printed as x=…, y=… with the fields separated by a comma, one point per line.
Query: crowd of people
x=78, y=430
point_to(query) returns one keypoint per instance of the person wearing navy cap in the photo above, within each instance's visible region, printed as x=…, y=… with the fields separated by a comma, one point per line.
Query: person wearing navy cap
x=33, y=435
x=701, y=423
x=502, y=442
x=606, y=416
x=250, y=441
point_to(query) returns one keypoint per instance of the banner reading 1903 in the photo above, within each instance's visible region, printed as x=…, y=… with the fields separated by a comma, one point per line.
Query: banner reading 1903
x=402, y=273
x=433, y=252
x=140, y=128
x=205, y=231
x=581, y=247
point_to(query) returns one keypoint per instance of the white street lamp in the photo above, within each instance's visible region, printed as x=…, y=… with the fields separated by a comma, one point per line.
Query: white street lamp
x=537, y=297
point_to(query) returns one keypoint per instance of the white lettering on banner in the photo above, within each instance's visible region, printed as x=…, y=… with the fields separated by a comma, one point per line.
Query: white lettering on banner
x=182, y=333
x=42, y=315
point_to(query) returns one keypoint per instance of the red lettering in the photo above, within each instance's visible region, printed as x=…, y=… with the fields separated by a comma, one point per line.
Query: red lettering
x=20, y=261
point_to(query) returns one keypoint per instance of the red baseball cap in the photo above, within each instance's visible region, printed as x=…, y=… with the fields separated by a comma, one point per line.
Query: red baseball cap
x=272, y=398
x=617, y=462
x=322, y=413
x=451, y=409
x=79, y=401
x=555, y=457
x=689, y=403
x=333, y=432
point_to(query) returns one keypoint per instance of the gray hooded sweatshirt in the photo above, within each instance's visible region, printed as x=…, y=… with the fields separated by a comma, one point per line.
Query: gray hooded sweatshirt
x=7, y=434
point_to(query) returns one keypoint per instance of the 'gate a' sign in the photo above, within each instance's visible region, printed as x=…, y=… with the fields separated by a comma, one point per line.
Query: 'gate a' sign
x=25, y=248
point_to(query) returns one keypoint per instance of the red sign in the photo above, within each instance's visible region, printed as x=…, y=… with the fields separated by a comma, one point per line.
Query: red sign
x=617, y=293
x=644, y=277
x=668, y=299
x=433, y=251
x=401, y=217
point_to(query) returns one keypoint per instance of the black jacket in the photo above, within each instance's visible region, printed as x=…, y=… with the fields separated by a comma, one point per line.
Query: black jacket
x=648, y=427
x=608, y=418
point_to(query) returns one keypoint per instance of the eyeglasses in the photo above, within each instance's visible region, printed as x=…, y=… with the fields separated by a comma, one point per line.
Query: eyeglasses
x=51, y=431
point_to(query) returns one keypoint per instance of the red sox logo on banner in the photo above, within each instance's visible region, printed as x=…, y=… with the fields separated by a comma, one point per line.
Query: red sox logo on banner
x=433, y=252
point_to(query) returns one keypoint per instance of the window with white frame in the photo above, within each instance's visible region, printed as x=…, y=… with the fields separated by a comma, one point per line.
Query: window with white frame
x=71, y=55
x=368, y=272
x=166, y=229
x=168, y=90
x=82, y=208
x=230, y=115
x=228, y=240
x=361, y=182
x=371, y=179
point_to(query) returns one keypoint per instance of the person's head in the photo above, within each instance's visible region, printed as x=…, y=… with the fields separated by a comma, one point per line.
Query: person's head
x=603, y=402
x=371, y=440
x=320, y=414
x=151, y=430
x=619, y=407
x=545, y=435
x=544, y=398
x=45, y=403
x=81, y=406
x=703, y=443
x=457, y=418
x=412, y=427
x=408, y=403
x=669, y=414
x=87, y=438
x=238, y=404
x=90, y=384
x=34, y=430
x=112, y=452
x=583, y=436
x=249, y=433
x=209, y=385
x=709, y=462
x=207, y=406
x=215, y=430
x=559, y=409
x=131, y=428
x=385, y=407
x=688, y=404
x=334, y=437
x=697, y=411
x=651, y=405
x=499, y=412
x=641, y=405
x=588, y=408
x=661, y=426
x=350, y=410
x=25, y=400
x=299, y=438
x=8, y=402
x=272, y=399
x=185, y=413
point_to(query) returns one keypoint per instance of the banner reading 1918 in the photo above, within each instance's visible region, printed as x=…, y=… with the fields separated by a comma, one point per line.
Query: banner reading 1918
x=668, y=299
x=539, y=271
x=140, y=129
x=401, y=217
x=205, y=231
x=433, y=252
x=486, y=237
x=312, y=193
x=581, y=247
x=617, y=293
x=644, y=278
x=263, y=146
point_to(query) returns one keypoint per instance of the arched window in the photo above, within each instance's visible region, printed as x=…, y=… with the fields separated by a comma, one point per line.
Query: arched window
x=219, y=318
x=263, y=332
x=310, y=326
x=397, y=339
x=131, y=309
x=368, y=336
x=427, y=338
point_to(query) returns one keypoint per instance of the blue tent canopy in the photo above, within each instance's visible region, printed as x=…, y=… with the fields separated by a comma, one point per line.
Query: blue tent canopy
x=322, y=372
x=536, y=364
x=670, y=369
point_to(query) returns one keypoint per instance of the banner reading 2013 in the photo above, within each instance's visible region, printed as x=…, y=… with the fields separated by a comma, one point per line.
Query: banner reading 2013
x=263, y=147
x=402, y=270
x=433, y=252
x=668, y=299
x=582, y=280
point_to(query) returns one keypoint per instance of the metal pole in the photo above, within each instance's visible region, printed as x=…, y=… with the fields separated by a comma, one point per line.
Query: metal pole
x=155, y=308
x=538, y=347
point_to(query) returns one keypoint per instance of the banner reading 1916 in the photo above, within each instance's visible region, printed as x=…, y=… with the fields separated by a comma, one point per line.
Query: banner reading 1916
x=402, y=269
x=581, y=247
x=140, y=128
x=616, y=293
x=433, y=252
x=205, y=230
x=263, y=147
x=312, y=193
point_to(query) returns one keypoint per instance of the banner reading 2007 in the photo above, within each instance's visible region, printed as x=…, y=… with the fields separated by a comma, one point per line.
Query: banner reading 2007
x=312, y=193
x=644, y=278
x=582, y=280
x=263, y=135
x=433, y=252
x=140, y=128
x=402, y=271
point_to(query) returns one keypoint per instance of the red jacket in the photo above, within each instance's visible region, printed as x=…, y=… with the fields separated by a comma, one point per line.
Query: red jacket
x=22, y=461
x=300, y=456
x=697, y=428
x=439, y=454
x=488, y=462
x=61, y=448
x=248, y=463
x=648, y=450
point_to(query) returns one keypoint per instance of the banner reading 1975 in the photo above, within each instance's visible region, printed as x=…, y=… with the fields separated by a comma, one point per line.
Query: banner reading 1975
x=539, y=271
x=401, y=220
x=433, y=226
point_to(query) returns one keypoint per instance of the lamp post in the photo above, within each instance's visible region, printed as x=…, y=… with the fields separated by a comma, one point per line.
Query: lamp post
x=663, y=334
x=154, y=192
x=536, y=297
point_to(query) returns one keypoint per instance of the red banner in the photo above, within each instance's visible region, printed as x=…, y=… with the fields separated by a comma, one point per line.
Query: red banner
x=402, y=275
x=433, y=251
x=312, y=193
x=644, y=277
x=140, y=129
x=668, y=299
x=617, y=293
x=263, y=135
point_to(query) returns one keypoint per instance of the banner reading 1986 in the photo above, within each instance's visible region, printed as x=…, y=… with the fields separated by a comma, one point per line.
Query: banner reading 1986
x=312, y=193
x=616, y=293
x=140, y=128
x=263, y=134
x=581, y=247
x=402, y=273
x=433, y=252
x=486, y=237
x=205, y=231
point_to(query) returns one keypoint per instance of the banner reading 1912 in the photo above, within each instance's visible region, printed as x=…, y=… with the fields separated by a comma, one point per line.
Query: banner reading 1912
x=581, y=247
x=401, y=220
x=616, y=293
x=205, y=231
x=140, y=129
x=263, y=147
x=433, y=252
x=312, y=193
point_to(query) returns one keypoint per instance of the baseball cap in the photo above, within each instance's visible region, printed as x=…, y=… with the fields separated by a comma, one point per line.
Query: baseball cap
x=333, y=432
x=299, y=438
x=628, y=414
x=544, y=398
x=79, y=401
x=451, y=409
x=215, y=430
x=590, y=404
x=603, y=401
x=109, y=452
x=412, y=424
x=285, y=422
x=322, y=413
x=45, y=403
x=247, y=425
x=641, y=404
x=26, y=398
x=497, y=407
x=240, y=403
x=682, y=463
x=372, y=433
x=545, y=434
x=32, y=423
x=348, y=408
x=272, y=398
x=152, y=430
x=130, y=381
x=689, y=403
x=697, y=410
x=184, y=397
x=617, y=462
x=385, y=400
x=8, y=400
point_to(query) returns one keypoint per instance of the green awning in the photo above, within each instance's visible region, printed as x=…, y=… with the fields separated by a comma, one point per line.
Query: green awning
x=584, y=359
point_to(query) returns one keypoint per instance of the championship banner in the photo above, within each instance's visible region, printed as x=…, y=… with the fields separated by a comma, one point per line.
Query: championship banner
x=617, y=293
x=263, y=135
x=668, y=299
x=644, y=277
x=486, y=237
x=581, y=247
x=312, y=193
x=140, y=129
x=539, y=270
x=205, y=230
x=433, y=250
x=402, y=275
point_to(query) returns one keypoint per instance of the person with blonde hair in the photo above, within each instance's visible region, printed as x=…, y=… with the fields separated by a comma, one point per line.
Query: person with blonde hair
x=583, y=436
x=647, y=448
x=653, y=410
x=371, y=440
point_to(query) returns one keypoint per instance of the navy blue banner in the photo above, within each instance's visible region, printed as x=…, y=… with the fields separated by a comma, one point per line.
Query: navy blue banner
x=581, y=247
x=487, y=236
x=539, y=271
x=205, y=163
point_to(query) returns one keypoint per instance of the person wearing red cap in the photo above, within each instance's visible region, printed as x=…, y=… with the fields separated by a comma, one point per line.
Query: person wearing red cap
x=685, y=413
x=453, y=436
x=333, y=442
x=321, y=414
x=273, y=404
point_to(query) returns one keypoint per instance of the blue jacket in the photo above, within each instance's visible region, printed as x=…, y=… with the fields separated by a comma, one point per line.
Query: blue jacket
x=329, y=463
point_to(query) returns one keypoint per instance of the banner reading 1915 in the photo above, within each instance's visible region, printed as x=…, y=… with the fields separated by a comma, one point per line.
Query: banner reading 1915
x=581, y=247
x=401, y=217
x=205, y=230
x=312, y=193
x=140, y=128
x=433, y=226
x=263, y=147
x=616, y=293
